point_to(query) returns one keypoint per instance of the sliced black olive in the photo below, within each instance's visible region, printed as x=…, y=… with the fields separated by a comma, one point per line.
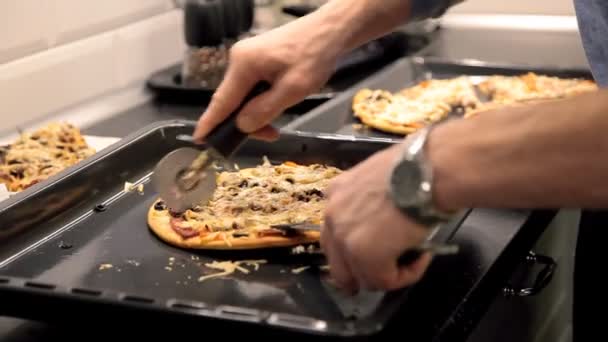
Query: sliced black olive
x=14, y=161
x=244, y=184
x=275, y=190
x=255, y=184
x=314, y=192
x=290, y=180
x=160, y=205
x=240, y=234
x=18, y=172
x=235, y=225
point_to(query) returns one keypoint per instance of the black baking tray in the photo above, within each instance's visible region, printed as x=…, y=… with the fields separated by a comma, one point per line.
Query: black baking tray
x=355, y=66
x=58, y=237
x=336, y=116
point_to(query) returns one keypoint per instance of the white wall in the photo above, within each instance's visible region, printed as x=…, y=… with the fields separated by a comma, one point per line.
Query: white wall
x=548, y=7
x=55, y=54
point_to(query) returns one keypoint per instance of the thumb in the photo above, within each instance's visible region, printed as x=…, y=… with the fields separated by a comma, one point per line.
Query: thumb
x=229, y=95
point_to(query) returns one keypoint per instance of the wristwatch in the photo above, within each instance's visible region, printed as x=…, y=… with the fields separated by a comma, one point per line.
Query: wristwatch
x=411, y=182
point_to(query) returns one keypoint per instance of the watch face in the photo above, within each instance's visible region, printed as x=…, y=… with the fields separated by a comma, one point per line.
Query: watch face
x=405, y=183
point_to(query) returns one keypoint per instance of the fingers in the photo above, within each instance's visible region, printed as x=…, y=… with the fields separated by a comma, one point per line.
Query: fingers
x=263, y=109
x=229, y=95
x=266, y=133
x=339, y=269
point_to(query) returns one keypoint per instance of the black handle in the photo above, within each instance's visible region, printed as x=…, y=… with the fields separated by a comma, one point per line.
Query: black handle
x=298, y=10
x=408, y=257
x=226, y=137
x=543, y=278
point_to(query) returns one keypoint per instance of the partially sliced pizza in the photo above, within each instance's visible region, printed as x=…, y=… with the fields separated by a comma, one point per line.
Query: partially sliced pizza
x=244, y=206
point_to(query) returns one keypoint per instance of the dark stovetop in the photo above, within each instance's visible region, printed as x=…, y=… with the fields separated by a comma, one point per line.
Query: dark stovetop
x=494, y=242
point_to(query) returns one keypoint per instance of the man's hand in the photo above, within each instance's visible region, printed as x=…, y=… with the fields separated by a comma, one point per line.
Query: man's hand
x=296, y=59
x=293, y=58
x=364, y=233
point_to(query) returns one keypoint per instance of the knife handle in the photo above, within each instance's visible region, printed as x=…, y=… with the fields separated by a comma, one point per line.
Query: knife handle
x=227, y=137
x=411, y=255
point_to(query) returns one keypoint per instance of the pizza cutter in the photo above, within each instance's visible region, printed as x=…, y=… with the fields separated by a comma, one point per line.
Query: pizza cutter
x=186, y=176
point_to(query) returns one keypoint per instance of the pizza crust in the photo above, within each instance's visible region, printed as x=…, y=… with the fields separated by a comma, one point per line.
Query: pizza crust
x=430, y=101
x=159, y=224
x=245, y=204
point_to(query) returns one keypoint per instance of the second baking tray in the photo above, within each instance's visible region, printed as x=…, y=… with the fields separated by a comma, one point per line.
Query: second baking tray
x=79, y=240
x=336, y=115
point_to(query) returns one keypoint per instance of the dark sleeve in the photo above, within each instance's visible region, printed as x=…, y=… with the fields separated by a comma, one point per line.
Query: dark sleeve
x=424, y=9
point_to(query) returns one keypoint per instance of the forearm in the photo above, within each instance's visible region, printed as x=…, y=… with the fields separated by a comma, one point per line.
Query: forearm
x=548, y=155
x=356, y=22
x=348, y=24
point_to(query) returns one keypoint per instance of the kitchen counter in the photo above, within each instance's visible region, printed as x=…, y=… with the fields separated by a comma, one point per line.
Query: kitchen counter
x=457, y=290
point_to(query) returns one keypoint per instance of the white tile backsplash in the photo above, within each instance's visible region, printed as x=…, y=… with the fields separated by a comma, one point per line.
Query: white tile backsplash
x=148, y=46
x=75, y=19
x=35, y=86
x=55, y=79
x=23, y=28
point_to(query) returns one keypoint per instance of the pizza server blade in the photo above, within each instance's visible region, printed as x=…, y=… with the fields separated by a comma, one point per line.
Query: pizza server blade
x=406, y=258
x=186, y=176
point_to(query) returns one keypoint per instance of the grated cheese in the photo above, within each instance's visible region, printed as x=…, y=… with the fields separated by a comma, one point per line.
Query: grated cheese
x=105, y=267
x=298, y=250
x=129, y=187
x=229, y=267
x=299, y=269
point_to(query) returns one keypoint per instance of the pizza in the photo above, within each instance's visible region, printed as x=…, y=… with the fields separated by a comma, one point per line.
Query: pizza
x=244, y=206
x=38, y=155
x=396, y=113
x=412, y=108
x=455, y=92
x=429, y=101
x=531, y=87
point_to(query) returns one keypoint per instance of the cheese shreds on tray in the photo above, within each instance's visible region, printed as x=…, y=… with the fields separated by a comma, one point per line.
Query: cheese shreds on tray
x=230, y=267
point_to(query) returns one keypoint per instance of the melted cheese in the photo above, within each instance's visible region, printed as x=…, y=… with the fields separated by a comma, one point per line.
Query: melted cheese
x=246, y=202
x=532, y=86
x=34, y=157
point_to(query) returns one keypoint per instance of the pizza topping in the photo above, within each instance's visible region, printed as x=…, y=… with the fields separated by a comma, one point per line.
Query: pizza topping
x=160, y=205
x=184, y=231
x=36, y=156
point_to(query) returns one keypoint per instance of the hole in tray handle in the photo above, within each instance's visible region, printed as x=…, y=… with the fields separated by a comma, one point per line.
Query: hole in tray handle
x=187, y=306
x=138, y=299
x=240, y=313
x=88, y=292
x=299, y=322
x=40, y=285
x=543, y=278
